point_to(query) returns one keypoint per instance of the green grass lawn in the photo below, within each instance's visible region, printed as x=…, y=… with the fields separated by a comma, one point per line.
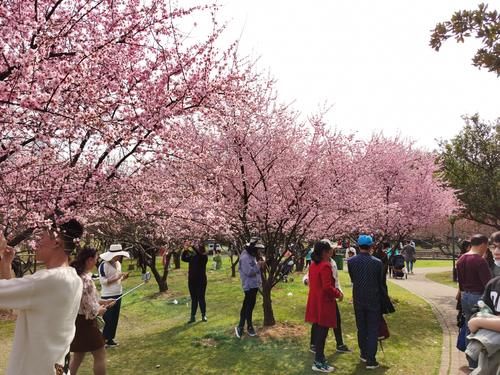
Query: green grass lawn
x=443, y=278
x=425, y=263
x=155, y=339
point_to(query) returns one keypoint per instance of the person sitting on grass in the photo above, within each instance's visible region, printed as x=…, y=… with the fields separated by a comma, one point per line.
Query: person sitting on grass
x=321, y=308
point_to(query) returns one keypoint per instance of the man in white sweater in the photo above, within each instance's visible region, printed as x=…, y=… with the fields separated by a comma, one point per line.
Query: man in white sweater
x=47, y=303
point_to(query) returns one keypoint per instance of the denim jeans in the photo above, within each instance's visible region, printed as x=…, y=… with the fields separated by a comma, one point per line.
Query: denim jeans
x=409, y=265
x=468, y=300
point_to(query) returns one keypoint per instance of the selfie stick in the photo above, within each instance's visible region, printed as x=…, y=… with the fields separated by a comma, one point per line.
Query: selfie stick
x=146, y=278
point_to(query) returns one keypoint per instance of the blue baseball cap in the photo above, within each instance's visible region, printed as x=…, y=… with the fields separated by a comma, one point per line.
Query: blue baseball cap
x=365, y=240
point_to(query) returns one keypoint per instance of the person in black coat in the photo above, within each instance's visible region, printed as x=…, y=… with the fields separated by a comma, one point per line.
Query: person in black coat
x=197, y=258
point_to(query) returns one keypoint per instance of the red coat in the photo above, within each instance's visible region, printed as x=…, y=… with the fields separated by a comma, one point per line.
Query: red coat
x=321, y=303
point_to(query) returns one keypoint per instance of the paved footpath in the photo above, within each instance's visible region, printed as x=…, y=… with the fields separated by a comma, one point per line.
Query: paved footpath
x=442, y=300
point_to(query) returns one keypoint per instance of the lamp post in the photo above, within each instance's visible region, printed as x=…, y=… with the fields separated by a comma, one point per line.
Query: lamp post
x=453, y=219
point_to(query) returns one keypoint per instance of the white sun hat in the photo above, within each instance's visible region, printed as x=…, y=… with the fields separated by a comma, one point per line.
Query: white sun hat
x=114, y=250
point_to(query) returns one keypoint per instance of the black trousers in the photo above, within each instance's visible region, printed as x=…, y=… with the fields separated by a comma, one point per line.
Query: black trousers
x=111, y=319
x=318, y=339
x=247, y=307
x=336, y=331
x=368, y=324
x=197, y=289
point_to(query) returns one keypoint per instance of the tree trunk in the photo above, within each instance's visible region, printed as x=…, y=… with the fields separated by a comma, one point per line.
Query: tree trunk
x=177, y=260
x=299, y=266
x=233, y=265
x=162, y=283
x=267, y=304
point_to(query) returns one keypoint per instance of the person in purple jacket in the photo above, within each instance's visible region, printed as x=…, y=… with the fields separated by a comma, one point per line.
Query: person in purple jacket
x=249, y=267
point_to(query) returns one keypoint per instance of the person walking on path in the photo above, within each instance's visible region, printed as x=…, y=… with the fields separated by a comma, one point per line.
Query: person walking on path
x=366, y=274
x=321, y=308
x=111, y=277
x=88, y=338
x=473, y=275
x=409, y=253
x=250, y=266
x=47, y=302
x=197, y=258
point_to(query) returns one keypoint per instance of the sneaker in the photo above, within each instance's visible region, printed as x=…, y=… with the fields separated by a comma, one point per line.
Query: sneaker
x=192, y=320
x=312, y=349
x=204, y=318
x=251, y=332
x=238, y=332
x=343, y=349
x=362, y=359
x=372, y=365
x=322, y=367
x=111, y=344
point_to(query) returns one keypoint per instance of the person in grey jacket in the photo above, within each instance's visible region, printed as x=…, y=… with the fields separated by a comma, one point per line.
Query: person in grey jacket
x=249, y=267
x=409, y=253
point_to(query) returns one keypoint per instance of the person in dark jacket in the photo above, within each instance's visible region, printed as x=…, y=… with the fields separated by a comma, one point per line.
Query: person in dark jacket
x=197, y=258
x=368, y=292
x=381, y=254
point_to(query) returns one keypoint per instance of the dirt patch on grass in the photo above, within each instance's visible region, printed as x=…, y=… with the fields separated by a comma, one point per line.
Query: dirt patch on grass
x=6, y=315
x=282, y=331
x=208, y=343
x=168, y=295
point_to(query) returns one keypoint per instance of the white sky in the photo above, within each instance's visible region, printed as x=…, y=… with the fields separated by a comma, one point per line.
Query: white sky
x=371, y=60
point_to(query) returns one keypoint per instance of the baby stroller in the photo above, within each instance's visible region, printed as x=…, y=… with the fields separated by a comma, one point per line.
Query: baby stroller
x=398, y=267
x=286, y=270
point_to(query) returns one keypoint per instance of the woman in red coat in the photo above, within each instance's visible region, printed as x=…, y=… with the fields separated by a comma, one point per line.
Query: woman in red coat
x=321, y=304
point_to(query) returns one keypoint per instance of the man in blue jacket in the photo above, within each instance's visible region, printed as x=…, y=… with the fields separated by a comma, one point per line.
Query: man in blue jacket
x=366, y=274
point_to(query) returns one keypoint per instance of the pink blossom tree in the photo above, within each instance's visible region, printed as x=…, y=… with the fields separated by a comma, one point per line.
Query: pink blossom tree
x=91, y=91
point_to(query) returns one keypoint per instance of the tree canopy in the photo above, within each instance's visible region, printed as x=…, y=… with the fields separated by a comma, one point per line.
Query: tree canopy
x=481, y=23
x=471, y=164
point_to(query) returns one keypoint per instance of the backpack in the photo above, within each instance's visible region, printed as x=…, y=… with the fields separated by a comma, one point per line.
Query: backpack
x=101, y=270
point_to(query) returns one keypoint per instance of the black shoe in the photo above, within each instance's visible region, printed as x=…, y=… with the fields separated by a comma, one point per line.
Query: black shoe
x=238, y=331
x=372, y=365
x=343, y=349
x=204, y=318
x=111, y=344
x=192, y=320
x=251, y=332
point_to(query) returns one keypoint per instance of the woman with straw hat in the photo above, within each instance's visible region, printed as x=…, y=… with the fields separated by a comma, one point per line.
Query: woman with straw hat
x=111, y=276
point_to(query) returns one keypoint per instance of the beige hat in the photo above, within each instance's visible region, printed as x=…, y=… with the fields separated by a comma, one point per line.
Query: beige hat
x=114, y=250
